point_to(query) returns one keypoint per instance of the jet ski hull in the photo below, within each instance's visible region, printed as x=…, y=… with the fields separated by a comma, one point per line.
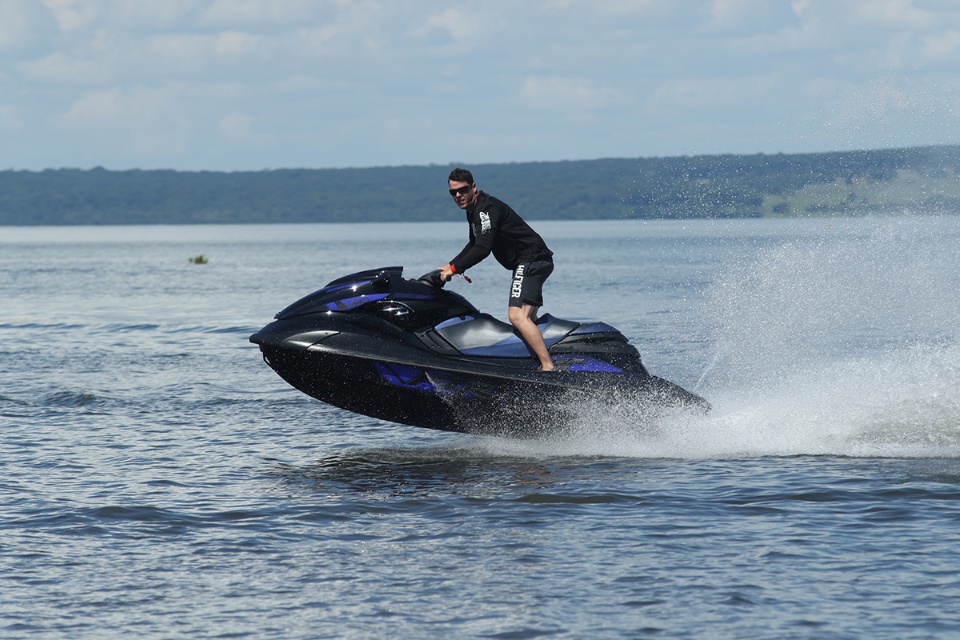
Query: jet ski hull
x=461, y=400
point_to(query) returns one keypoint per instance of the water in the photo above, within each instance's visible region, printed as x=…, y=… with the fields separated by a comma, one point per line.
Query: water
x=161, y=481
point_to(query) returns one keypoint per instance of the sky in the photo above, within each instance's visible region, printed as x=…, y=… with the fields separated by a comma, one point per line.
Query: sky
x=231, y=85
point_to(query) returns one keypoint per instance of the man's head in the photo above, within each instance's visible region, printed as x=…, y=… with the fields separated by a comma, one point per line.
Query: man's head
x=462, y=188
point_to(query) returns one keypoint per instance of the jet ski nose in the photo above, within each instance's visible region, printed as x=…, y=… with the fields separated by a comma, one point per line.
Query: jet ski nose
x=297, y=337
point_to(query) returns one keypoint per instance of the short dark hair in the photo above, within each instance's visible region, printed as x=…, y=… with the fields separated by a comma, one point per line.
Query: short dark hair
x=461, y=175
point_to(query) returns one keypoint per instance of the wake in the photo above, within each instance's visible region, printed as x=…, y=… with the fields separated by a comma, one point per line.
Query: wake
x=842, y=341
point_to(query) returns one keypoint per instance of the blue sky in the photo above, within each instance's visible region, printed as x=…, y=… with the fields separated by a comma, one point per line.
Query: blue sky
x=262, y=84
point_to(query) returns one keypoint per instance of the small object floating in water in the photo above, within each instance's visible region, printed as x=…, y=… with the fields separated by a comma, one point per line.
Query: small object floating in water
x=198, y=260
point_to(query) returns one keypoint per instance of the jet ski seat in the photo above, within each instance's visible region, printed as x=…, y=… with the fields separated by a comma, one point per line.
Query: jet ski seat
x=483, y=335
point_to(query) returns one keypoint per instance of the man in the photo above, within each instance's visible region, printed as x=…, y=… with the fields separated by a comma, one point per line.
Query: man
x=496, y=228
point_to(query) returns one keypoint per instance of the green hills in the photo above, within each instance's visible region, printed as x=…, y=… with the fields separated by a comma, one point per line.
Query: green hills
x=917, y=180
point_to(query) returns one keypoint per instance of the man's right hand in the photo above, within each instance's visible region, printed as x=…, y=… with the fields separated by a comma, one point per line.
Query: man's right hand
x=446, y=272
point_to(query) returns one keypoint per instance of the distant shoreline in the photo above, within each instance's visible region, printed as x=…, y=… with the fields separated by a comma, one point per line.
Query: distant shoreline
x=849, y=183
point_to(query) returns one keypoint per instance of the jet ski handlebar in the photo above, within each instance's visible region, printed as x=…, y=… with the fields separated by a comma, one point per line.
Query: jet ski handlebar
x=433, y=279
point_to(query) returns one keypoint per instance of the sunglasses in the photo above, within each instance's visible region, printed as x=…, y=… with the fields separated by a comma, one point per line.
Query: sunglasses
x=462, y=191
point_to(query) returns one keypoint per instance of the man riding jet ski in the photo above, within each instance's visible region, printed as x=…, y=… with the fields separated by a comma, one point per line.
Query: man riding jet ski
x=407, y=351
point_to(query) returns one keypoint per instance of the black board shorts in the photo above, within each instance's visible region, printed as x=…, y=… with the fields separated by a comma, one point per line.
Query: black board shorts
x=526, y=287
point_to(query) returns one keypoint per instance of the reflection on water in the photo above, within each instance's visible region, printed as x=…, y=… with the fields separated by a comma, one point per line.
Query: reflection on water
x=423, y=472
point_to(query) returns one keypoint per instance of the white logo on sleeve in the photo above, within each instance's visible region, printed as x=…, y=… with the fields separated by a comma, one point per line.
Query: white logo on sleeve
x=484, y=222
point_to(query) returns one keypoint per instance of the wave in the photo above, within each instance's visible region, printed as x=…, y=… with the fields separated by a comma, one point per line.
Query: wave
x=828, y=344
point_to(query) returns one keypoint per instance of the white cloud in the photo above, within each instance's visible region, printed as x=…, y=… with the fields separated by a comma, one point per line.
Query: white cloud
x=143, y=120
x=942, y=46
x=736, y=13
x=898, y=14
x=62, y=69
x=810, y=36
x=100, y=107
x=236, y=44
x=253, y=13
x=616, y=8
x=558, y=93
x=454, y=24
x=73, y=15
x=11, y=120
x=186, y=52
x=712, y=93
x=17, y=21
x=317, y=41
x=373, y=82
x=238, y=128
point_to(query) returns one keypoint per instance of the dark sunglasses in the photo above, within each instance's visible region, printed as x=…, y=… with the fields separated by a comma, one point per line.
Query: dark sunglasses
x=462, y=191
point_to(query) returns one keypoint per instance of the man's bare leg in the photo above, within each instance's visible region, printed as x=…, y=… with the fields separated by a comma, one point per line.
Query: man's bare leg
x=522, y=320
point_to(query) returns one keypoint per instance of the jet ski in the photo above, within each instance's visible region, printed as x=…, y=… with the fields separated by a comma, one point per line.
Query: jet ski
x=410, y=352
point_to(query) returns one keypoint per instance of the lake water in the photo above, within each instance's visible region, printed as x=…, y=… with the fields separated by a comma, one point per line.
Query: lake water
x=160, y=481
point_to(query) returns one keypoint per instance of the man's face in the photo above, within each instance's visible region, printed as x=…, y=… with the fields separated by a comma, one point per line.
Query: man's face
x=464, y=193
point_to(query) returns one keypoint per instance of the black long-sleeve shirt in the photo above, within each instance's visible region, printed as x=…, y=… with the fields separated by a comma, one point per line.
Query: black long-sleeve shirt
x=496, y=228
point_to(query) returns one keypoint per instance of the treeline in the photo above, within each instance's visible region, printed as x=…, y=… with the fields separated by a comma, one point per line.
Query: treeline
x=839, y=183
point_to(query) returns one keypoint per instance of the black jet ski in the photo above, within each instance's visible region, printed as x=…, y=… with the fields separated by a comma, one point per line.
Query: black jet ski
x=408, y=351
